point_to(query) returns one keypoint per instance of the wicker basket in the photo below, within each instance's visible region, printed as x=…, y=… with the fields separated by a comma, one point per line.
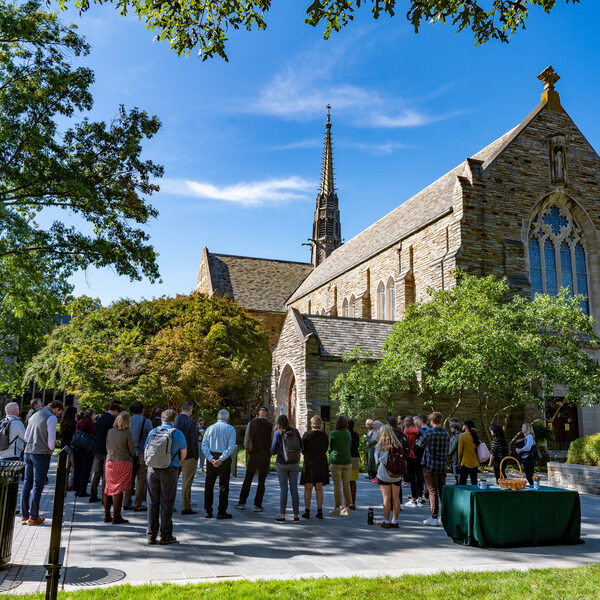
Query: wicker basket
x=518, y=483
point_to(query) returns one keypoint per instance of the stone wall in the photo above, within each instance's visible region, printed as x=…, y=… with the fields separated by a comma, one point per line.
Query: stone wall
x=427, y=257
x=574, y=477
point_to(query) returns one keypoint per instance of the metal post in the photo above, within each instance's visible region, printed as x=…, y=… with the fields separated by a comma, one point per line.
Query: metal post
x=55, y=556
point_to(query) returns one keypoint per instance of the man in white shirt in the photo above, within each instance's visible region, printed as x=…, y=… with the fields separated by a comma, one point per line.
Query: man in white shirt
x=15, y=433
x=40, y=438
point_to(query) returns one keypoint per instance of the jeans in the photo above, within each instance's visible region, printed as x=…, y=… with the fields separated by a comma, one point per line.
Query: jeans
x=415, y=474
x=36, y=469
x=434, y=482
x=162, y=489
x=288, y=475
x=529, y=467
x=97, y=474
x=341, y=480
x=468, y=472
x=187, y=469
x=82, y=462
x=223, y=472
x=260, y=463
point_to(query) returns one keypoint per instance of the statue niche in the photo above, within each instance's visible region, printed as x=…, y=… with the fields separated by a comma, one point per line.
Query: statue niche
x=558, y=159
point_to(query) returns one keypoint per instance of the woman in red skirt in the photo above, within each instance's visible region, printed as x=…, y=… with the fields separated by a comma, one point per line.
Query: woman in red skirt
x=120, y=449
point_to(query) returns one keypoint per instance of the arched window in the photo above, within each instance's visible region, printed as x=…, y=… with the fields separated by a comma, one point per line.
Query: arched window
x=390, y=299
x=381, y=301
x=352, y=306
x=345, y=312
x=557, y=255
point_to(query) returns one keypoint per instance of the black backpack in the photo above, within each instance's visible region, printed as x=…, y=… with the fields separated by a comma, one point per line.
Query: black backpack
x=291, y=446
x=5, y=440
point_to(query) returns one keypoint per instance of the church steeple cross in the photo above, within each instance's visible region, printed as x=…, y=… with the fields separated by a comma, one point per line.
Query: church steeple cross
x=548, y=77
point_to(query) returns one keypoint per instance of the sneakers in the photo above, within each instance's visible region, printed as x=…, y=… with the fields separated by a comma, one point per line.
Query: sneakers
x=394, y=525
x=440, y=524
x=385, y=525
x=421, y=503
x=335, y=512
x=240, y=505
x=258, y=509
x=165, y=541
x=410, y=502
x=431, y=522
x=345, y=512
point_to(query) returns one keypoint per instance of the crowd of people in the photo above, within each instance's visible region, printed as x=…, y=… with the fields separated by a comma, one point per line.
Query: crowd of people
x=133, y=459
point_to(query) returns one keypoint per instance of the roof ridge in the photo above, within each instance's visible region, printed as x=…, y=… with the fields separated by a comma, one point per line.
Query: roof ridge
x=280, y=260
x=340, y=318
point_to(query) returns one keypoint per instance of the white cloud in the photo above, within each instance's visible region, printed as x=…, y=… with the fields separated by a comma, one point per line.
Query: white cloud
x=252, y=193
x=302, y=90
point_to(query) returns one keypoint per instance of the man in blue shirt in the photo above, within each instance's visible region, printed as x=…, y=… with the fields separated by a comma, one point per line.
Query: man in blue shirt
x=218, y=445
x=162, y=484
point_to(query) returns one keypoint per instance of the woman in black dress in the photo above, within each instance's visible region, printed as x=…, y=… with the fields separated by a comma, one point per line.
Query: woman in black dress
x=315, y=472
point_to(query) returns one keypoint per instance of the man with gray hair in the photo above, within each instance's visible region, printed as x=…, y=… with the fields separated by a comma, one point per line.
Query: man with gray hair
x=187, y=467
x=218, y=445
x=12, y=433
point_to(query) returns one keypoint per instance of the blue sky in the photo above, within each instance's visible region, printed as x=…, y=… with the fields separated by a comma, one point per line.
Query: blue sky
x=241, y=141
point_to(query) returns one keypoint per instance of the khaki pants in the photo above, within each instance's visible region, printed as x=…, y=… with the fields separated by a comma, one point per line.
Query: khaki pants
x=188, y=471
x=139, y=485
x=341, y=480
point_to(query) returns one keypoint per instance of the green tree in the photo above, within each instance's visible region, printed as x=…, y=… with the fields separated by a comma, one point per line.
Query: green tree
x=163, y=352
x=72, y=192
x=476, y=340
x=205, y=23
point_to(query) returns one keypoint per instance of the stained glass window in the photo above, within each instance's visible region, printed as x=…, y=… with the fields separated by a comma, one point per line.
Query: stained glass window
x=581, y=271
x=555, y=220
x=566, y=268
x=550, y=263
x=535, y=266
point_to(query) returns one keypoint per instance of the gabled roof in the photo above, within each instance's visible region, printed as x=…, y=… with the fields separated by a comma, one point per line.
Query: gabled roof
x=425, y=207
x=256, y=283
x=340, y=335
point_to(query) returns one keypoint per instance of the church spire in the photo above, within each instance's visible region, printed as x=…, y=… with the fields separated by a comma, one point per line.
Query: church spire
x=327, y=235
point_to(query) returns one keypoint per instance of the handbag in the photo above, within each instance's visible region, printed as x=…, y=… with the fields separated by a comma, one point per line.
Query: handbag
x=483, y=453
x=83, y=441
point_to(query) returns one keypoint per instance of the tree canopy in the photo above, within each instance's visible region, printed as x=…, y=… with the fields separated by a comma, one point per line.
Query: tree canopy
x=476, y=340
x=72, y=191
x=205, y=23
x=162, y=352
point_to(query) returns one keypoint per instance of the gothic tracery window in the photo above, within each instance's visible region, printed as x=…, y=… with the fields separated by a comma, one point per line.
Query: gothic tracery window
x=381, y=301
x=390, y=299
x=557, y=255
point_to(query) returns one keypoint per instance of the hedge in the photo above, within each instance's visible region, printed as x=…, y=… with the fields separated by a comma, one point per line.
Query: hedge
x=585, y=451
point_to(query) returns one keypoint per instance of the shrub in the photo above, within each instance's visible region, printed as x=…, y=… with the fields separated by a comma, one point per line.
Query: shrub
x=585, y=451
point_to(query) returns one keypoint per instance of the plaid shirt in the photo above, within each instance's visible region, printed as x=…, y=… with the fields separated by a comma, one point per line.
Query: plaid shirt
x=435, y=441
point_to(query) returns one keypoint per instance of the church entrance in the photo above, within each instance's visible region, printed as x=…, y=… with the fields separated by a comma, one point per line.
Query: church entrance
x=287, y=395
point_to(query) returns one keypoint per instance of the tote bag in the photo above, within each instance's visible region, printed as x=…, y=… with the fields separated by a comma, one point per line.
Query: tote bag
x=483, y=454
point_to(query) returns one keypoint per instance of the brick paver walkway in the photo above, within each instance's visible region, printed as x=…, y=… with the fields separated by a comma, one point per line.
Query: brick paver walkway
x=252, y=545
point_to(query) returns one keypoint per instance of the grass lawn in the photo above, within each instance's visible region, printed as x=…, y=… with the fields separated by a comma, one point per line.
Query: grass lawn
x=569, y=584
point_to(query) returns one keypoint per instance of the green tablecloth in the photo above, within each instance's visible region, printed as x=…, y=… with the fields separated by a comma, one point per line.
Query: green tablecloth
x=506, y=518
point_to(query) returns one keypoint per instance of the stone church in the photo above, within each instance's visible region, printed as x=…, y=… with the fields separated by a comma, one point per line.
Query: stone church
x=526, y=207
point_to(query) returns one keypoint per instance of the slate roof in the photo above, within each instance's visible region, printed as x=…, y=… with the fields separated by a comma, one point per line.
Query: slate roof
x=340, y=335
x=256, y=283
x=429, y=204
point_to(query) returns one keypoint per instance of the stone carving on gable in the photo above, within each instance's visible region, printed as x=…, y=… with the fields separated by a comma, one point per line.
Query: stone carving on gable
x=558, y=159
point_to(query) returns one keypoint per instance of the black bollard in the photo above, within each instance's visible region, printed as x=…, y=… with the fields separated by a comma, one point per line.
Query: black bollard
x=56, y=554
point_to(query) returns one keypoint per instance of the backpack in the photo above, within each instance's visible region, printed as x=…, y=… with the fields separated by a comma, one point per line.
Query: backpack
x=395, y=465
x=5, y=440
x=158, y=454
x=291, y=446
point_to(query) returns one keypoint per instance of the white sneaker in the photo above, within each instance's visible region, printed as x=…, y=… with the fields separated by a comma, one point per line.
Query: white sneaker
x=421, y=503
x=410, y=503
x=431, y=522
x=440, y=524
x=240, y=506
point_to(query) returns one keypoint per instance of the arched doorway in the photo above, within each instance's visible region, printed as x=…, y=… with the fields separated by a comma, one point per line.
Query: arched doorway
x=287, y=395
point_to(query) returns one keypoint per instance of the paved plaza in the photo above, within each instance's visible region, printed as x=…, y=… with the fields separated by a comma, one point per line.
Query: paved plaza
x=252, y=545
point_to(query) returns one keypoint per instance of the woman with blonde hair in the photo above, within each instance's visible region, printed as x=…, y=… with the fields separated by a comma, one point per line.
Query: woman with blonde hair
x=527, y=452
x=120, y=448
x=315, y=472
x=389, y=483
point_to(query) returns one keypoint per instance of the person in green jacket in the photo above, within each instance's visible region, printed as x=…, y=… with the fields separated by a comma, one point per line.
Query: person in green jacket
x=340, y=464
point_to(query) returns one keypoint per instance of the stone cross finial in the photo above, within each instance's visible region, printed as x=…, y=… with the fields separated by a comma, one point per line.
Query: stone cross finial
x=548, y=77
x=329, y=115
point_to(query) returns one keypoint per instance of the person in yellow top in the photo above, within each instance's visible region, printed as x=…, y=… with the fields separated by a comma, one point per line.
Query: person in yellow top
x=468, y=461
